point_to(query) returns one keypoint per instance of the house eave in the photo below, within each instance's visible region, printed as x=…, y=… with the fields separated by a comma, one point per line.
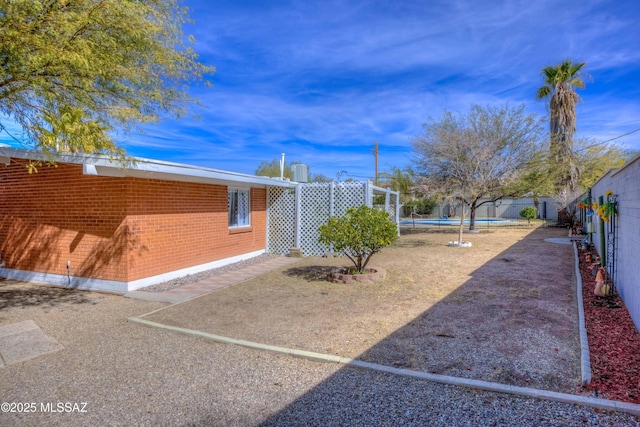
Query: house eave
x=145, y=169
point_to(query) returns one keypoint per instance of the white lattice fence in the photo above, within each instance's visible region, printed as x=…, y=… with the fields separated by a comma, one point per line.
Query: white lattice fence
x=316, y=206
x=281, y=219
x=316, y=203
x=314, y=211
x=347, y=195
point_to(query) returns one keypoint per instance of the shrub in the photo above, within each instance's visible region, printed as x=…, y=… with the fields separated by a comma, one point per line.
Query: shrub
x=379, y=199
x=359, y=234
x=422, y=207
x=528, y=213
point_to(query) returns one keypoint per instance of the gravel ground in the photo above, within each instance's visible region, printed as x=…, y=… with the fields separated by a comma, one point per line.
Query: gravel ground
x=131, y=375
x=193, y=278
x=491, y=312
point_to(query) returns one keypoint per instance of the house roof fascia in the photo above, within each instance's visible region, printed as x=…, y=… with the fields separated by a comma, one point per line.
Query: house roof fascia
x=145, y=168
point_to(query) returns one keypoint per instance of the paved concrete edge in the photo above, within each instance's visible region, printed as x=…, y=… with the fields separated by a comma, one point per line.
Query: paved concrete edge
x=159, y=296
x=585, y=358
x=603, y=404
x=180, y=298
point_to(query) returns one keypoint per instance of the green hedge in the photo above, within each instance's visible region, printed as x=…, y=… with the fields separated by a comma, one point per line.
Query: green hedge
x=421, y=207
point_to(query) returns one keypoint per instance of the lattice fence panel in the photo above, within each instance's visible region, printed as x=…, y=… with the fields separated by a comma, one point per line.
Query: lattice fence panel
x=281, y=204
x=314, y=211
x=348, y=195
x=394, y=201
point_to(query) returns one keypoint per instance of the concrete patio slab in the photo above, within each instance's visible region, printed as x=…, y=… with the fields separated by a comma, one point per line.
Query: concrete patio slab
x=24, y=341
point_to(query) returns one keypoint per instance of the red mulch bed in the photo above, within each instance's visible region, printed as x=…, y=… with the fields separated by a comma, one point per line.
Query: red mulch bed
x=614, y=341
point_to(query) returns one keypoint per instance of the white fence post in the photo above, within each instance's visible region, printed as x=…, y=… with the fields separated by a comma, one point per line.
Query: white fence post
x=367, y=197
x=298, y=214
x=398, y=211
x=387, y=196
x=332, y=199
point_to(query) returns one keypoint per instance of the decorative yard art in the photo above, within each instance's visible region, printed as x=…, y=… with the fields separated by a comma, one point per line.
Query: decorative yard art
x=614, y=341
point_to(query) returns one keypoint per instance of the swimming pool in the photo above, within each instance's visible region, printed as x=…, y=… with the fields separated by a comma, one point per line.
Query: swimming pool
x=454, y=221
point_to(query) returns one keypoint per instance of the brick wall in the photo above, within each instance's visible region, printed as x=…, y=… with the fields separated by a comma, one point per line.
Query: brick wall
x=58, y=215
x=120, y=229
x=176, y=225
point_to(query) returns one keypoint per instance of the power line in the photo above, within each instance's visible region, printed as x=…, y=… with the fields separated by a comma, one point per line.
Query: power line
x=608, y=140
x=618, y=137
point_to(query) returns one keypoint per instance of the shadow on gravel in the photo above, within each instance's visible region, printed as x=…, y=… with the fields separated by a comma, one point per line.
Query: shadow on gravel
x=29, y=295
x=428, y=230
x=514, y=321
x=453, y=230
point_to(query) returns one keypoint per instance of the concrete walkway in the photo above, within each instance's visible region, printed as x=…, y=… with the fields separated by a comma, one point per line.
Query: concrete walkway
x=214, y=283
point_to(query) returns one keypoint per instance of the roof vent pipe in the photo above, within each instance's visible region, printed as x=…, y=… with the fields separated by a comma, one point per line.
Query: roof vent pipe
x=282, y=167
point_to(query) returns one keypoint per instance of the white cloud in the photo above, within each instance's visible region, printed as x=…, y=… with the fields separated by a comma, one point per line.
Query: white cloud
x=322, y=81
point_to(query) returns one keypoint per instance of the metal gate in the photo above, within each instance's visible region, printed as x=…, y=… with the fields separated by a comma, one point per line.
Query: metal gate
x=612, y=239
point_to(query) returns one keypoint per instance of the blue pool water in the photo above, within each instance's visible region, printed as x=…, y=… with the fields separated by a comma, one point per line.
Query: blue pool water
x=454, y=221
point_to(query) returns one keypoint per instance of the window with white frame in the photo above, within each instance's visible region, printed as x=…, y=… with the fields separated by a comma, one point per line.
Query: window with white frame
x=239, y=208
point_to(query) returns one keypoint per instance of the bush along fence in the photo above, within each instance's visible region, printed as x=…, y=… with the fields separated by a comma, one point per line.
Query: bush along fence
x=506, y=208
x=505, y=212
x=610, y=210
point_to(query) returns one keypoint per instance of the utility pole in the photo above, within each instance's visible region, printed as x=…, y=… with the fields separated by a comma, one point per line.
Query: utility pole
x=375, y=153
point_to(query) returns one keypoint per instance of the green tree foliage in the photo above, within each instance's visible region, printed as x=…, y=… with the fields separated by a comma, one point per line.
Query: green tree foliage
x=400, y=180
x=418, y=206
x=537, y=178
x=592, y=159
x=560, y=83
x=481, y=153
x=595, y=159
x=272, y=170
x=73, y=71
x=359, y=234
x=528, y=213
x=318, y=177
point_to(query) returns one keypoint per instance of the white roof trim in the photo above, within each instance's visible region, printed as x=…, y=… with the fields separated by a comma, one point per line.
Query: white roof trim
x=147, y=169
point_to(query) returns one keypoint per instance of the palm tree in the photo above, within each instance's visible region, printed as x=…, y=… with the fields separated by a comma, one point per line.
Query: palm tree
x=560, y=83
x=400, y=180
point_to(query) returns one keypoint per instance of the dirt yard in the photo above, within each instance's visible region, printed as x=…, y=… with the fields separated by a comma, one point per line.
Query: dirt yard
x=503, y=310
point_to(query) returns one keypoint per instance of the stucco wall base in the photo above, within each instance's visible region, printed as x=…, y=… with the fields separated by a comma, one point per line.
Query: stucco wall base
x=116, y=286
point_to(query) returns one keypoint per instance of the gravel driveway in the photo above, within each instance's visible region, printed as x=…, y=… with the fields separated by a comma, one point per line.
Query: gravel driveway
x=131, y=375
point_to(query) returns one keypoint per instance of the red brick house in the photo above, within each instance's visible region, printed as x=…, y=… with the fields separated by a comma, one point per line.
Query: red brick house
x=91, y=223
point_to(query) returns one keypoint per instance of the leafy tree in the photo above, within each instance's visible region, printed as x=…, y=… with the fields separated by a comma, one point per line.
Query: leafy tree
x=560, y=83
x=359, y=234
x=595, y=159
x=400, y=180
x=73, y=71
x=318, y=177
x=418, y=206
x=272, y=170
x=528, y=213
x=468, y=156
x=540, y=177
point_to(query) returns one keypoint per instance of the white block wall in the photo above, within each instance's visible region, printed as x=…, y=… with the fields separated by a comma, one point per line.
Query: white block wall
x=625, y=182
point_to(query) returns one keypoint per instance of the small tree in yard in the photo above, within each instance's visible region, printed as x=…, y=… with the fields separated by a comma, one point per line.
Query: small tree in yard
x=359, y=234
x=528, y=213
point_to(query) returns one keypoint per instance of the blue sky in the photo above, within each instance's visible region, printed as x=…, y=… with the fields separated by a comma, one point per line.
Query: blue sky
x=323, y=80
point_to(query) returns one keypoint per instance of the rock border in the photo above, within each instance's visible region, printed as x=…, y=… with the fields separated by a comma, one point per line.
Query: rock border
x=459, y=244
